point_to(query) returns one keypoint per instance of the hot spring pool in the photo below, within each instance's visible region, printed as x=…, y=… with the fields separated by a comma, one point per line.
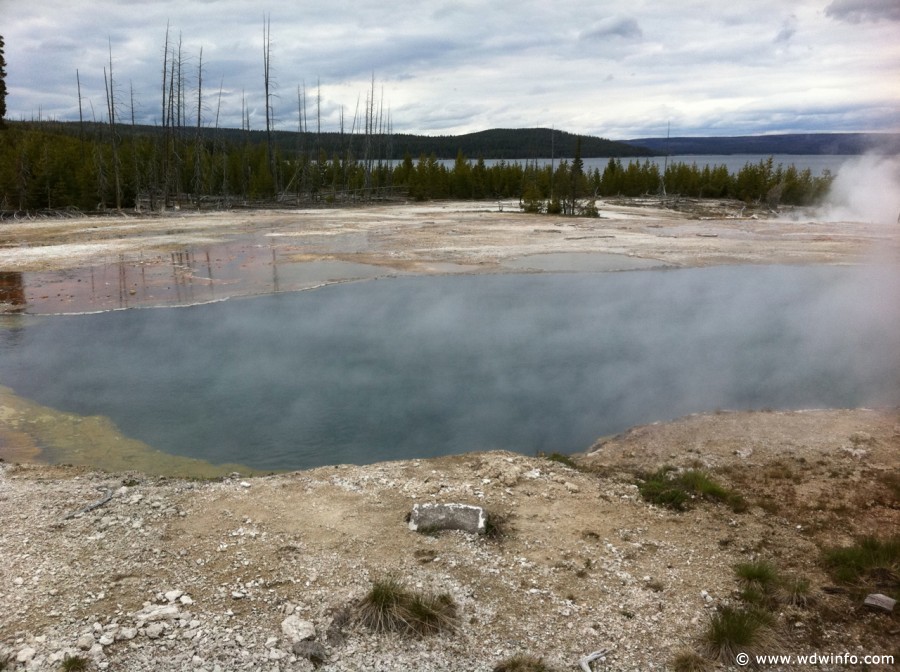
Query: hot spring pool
x=425, y=366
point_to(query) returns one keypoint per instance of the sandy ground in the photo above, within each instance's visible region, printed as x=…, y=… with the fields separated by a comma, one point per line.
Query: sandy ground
x=585, y=563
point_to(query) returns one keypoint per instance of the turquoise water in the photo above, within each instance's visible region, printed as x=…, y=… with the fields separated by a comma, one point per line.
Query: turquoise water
x=425, y=366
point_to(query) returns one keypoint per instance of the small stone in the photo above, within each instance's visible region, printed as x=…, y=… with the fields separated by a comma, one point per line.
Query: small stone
x=106, y=640
x=85, y=642
x=880, y=602
x=186, y=600
x=126, y=633
x=571, y=487
x=152, y=613
x=245, y=484
x=297, y=630
x=173, y=595
x=25, y=655
x=154, y=630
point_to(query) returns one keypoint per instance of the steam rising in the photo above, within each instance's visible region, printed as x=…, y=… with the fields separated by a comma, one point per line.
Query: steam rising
x=424, y=366
x=866, y=189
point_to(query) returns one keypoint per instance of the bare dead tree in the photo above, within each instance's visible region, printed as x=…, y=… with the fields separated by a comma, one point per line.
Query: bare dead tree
x=267, y=81
x=216, y=140
x=111, y=105
x=198, y=141
x=80, y=114
x=135, y=163
x=164, y=119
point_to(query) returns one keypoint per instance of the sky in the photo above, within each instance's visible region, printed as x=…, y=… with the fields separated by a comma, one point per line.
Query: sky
x=617, y=69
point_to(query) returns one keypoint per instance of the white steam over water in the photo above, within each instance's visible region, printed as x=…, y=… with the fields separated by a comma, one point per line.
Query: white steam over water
x=866, y=189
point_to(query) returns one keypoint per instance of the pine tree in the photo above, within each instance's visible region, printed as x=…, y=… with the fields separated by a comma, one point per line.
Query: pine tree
x=2, y=84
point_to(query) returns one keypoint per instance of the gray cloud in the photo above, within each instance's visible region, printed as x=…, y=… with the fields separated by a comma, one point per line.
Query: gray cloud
x=856, y=11
x=788, y=29
x=453, y=67
x=614, y=26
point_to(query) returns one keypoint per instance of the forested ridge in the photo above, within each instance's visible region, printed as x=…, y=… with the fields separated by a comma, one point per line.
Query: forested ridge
x=91, y=167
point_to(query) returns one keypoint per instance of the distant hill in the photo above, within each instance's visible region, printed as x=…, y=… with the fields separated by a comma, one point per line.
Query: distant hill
x=498, y=143
x=519, y=143
x=792, y=143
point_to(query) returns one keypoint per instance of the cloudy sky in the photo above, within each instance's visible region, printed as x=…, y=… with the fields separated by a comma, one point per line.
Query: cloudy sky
x=613, y=68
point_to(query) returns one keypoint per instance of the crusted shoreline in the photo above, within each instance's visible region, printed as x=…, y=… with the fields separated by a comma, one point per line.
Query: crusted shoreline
x=174, y=574
x=225, y=574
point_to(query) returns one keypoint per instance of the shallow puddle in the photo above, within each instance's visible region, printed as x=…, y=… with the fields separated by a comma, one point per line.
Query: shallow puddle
x=248, y=266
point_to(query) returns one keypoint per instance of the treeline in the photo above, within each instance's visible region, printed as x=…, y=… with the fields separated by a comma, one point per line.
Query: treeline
x=43, y=166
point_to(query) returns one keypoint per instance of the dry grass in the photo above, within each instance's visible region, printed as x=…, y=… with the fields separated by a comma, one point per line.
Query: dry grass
x=522, y=663
x=390, y=607
x=690, y=661
x=732, y=631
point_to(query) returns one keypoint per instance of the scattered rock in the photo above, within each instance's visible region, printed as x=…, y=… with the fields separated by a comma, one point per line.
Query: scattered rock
x=465, y=517
x=880, y=602
x=151, y=613
x=126, y=633
x=295, y=629
x=25, y=654
x=173, y=595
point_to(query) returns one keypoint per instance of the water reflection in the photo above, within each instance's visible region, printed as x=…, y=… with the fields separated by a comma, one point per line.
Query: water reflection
x=12, y=291
x=196, y=274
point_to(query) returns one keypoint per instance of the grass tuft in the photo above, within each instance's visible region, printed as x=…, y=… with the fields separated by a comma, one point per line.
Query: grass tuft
x=74, y=663
x=690, y=661
x=522, y=663
x=497, y=526
x=561, y=458
x=731, y=631
x=679, y=491
x=390, y=607
x=869, y=561
x=796, y=591
x=759, y=574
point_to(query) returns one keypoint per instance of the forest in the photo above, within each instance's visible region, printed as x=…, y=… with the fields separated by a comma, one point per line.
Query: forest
x=187, y=161
x=96, y=167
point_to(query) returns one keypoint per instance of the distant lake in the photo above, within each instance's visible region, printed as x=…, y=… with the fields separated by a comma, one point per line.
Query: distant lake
x=817, y=163
x=415, y=367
